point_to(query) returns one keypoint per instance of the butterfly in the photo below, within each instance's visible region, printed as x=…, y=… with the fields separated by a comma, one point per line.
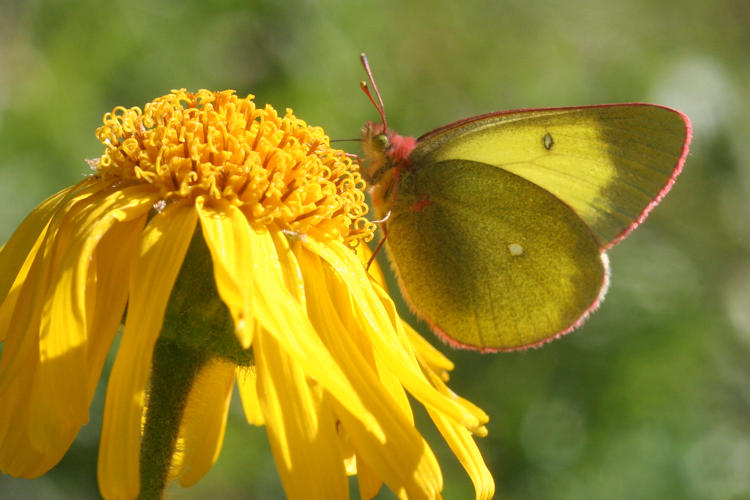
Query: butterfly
x=497, y=225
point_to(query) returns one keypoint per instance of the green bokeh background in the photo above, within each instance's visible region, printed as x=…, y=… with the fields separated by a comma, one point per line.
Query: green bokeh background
x=650, y=399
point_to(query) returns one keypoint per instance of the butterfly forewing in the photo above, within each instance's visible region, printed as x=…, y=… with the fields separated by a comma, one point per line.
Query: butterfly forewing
x=609, y=163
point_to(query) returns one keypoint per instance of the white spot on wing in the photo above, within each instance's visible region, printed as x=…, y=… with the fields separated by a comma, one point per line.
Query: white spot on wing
x=515, y=249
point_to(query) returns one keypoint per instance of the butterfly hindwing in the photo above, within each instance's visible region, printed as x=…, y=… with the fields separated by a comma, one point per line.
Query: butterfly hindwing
x=489, y=257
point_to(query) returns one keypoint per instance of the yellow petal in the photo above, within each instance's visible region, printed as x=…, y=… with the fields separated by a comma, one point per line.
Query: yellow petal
x=289, y=266
x=226, y=232
x=116, y=250
x=425, y=352
x=65, y=307
x=285, y=318
x=11, y=298
x=162, y=250
x=20, y=361
x=365, y=254
x=347, y=451
x=436, y=367
x=403, y=459
x=368, y=479
x=303, y=438
x=112, y=260
x=17, y=255
x=204, y=420
x=18, y=366
x=462, y=444
x=60, y=387
x=247, y=384
x=42, y=250
x=371, y=425
x=439, y=385
x=18, y=249
x=389, y=341
x=18, y=457
x=350, y=315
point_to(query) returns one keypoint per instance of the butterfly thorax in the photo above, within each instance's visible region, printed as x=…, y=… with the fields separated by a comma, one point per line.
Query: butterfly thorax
x=386, y=153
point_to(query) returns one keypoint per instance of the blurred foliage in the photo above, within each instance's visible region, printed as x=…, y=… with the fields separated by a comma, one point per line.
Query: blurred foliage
x=650, y=399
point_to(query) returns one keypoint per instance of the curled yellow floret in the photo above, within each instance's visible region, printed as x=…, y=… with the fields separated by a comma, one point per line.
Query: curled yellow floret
x=277, y=169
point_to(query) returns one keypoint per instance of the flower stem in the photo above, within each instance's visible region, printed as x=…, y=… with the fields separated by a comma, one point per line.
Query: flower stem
x=197, y=327
x=173, y=371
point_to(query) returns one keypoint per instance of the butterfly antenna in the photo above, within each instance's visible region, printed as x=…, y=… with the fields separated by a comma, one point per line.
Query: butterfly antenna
x=353, y=139
x=363, y=84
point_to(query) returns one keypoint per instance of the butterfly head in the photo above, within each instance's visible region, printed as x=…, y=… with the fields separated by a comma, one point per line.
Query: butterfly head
x=386, y=154
x=383, y=150
x=375, y=146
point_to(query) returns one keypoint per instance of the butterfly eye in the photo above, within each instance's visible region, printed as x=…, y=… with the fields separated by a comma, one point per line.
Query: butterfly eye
x=381, y=142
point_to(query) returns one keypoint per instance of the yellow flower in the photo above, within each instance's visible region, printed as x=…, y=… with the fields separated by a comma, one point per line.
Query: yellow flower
x=314, y=343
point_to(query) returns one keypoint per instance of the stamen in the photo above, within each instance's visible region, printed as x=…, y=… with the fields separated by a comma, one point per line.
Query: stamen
x=216, y=145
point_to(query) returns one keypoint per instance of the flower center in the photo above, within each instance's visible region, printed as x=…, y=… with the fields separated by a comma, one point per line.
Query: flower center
x=278, y=170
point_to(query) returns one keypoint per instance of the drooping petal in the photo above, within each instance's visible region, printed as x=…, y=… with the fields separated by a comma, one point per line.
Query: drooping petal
x=393, y=348
x=204, y=420
x=226, y=232
x=404, y=459
x=18, y=457
x=303, y=438
x=65, y=309
x=459, y=439
x=18, y=367
x=20, y=361
x=60, y=387
x=439, y=384
x=11, y=298
x=433, y=363
x=364, y=254
x=28, y=235
x=111, y=295
x=371, y=427
x=247, y=383
x=425, y=352
x=163, y=247
x=17, y=255
x=349, y=313
x=285, y=319
x=368, y=480
x=43, y=250
x=462, y=443
x=290, y=269
x=112, y=258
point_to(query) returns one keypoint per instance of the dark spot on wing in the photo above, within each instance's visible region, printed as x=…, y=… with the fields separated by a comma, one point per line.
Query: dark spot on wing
x=548, y=141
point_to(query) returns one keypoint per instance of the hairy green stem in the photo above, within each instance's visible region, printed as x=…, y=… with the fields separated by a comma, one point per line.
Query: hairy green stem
x=172, y=375
x=197, y=327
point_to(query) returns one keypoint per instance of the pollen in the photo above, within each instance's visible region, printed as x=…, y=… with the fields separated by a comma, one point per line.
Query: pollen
x=277, y=169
